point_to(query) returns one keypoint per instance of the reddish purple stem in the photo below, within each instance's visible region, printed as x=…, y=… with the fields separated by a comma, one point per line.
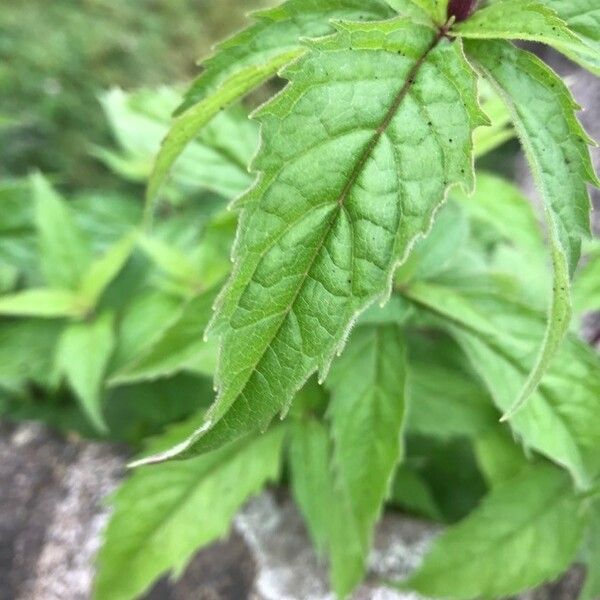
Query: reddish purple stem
x=461, y=9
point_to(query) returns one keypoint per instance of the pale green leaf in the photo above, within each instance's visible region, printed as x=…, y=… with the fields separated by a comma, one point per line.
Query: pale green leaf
x=163, y=514
x=82, y=356
x=104, y=270
x=325, y=505
x=435, y=9
x=525, y=533
x=216, y=160
x=338, y=206
x=499, y=336
x=171, y=261
x=366, y=414
x=432, y=255
x=415, y=9
x=64, y=252
x=591, y=555
x=180, y=347
x=557, y=149
x=44, y=302
x=582, y=17
x=310, y=478
x=517, y=20
x=245, y=61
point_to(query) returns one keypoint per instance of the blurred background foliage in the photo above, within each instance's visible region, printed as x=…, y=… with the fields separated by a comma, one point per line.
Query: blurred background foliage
x=57, y=57
x=88, y=91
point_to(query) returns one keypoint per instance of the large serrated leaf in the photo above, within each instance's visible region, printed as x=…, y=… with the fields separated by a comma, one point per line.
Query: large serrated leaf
x=525, y=533
x=250, y=58
x=163, y=514
x=343, y=194
x=557, y=149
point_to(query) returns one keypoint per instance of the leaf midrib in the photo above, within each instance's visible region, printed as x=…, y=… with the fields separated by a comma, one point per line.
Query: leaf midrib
x=355, y=173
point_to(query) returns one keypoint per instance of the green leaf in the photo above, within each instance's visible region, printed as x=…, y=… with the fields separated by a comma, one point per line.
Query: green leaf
x=27, y=350
x=485, y=555
x=445, y=398
x=44, y=302
x=310, y=478
x=64, y=252
x=142, y=323
x=82, y=356
x=591, y=556
x=325, y=505
x=171, y=261
x=557, y=149
x=432, y=255
x=216, y=160
x=410, y=492
x=499, y=456
x=447, y=465
x=582, y=17
x=314, y=248
x=499, y=336
x=517, y=20
x=415, y=9
x=249, y=59
x=163, y=514
x=104, y=270
x=434, y=9
x=366, y=415
x=179, y=347
x=502, y=208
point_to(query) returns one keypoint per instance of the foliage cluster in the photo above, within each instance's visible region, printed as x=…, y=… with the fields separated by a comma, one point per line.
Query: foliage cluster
x=387, y=299
x=56, y=57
